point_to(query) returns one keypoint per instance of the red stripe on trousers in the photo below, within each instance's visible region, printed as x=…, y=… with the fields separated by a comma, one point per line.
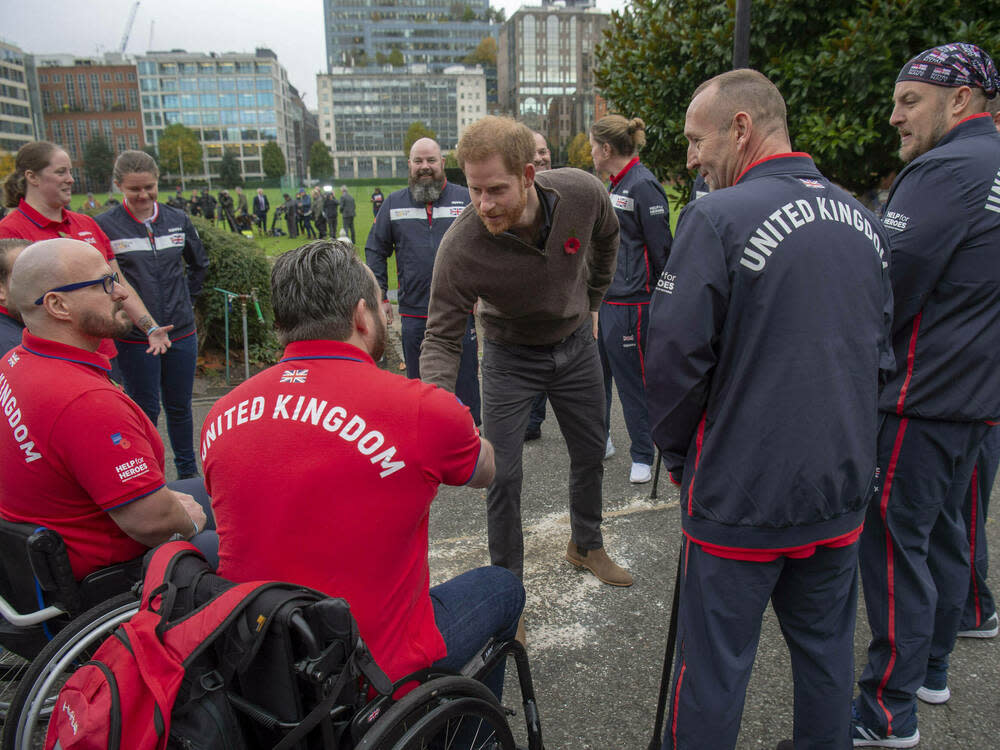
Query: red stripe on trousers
x=974, y=512
x=891, y=589
x=638, y=343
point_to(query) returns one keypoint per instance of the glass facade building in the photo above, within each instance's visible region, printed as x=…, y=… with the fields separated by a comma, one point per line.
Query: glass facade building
x=545, y=62
x=435, y=33
x=234, y=102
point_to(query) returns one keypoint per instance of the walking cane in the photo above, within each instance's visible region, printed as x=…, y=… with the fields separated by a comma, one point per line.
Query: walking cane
x=656, y=473
x=668, y=656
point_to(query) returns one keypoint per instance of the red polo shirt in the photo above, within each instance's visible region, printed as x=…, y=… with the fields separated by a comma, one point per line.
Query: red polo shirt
x=26, y=223
x=73, y=446
x=322, y=470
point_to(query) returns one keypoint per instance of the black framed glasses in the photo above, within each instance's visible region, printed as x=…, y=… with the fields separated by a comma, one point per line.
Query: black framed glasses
x=108, y=282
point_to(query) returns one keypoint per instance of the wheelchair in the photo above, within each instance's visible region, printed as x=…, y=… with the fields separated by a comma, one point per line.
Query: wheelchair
x=296, y=666
x=50, y=623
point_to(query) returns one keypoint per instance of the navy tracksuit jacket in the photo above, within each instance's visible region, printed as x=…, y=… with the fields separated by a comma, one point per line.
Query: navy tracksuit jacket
x=644, y=220
x=149, y=259
x=943, y=221
x=769, y=328
x=413, y=231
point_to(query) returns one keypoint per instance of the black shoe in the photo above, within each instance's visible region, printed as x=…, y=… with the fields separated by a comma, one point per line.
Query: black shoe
x=188, y=476
x=532, y=433
x=785, y=745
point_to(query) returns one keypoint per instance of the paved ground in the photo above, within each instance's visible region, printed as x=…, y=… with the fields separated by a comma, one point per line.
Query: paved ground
x=596, y=651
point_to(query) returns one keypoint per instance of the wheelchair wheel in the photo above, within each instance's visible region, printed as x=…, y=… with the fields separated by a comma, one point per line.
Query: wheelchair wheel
x=12, y=669
x=31, y=705
x=447, y=713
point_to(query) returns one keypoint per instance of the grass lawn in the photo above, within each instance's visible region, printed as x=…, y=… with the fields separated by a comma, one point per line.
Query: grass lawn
x=275, y=246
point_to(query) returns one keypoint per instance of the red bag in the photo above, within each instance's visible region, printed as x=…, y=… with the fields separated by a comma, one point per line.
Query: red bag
x=123, y=697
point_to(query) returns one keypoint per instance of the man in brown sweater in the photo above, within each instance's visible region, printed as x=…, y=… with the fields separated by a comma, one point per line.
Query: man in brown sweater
x=537, y=251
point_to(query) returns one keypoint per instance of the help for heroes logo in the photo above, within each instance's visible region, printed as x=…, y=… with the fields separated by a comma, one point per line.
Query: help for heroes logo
x=131, y=469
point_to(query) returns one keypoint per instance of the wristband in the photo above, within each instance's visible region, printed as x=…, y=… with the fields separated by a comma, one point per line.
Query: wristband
x=150, y=331
x=196, y=529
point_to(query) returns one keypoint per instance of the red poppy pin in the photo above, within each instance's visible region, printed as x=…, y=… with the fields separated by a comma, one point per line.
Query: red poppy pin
x=572, y=246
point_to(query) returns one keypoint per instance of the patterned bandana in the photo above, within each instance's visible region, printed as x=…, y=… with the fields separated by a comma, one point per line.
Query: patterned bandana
x=953, y=65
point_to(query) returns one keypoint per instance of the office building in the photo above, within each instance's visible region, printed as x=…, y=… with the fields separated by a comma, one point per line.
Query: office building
x=234, y=101
x=16, y=124
x=362, y=33
x=364, y=116
x=85, y=98
x=545, y=63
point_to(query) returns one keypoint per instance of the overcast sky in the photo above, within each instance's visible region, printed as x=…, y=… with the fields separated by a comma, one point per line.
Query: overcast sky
x=294, y=30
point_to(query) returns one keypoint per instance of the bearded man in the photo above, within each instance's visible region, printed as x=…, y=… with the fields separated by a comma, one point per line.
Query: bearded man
x=412, y=226
x=538, y=251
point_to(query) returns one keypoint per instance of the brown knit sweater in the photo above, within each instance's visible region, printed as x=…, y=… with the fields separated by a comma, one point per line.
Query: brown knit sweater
x=526, y=295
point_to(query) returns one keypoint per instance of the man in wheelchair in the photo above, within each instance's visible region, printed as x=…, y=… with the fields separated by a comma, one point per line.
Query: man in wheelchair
x=322, y=470
x=78, y=456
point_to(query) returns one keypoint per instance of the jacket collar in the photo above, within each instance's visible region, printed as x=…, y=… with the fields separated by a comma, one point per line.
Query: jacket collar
x=778, y=164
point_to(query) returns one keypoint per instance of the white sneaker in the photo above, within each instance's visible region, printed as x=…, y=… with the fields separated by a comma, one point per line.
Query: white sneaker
x=934, y=697
x=987, y=630
x=609, y=449
x=640, y=474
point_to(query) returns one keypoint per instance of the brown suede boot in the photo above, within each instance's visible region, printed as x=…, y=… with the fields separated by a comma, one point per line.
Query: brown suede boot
x=598, y=563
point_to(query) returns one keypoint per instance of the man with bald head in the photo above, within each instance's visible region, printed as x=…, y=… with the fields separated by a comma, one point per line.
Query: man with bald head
x=412, y=226
x=77, y=455
x=768, y=330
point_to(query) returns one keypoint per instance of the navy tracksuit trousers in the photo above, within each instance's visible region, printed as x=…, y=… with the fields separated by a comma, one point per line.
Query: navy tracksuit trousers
x=914, y=562
x=980, y=605
x=467, y=386
x=722, y=603
x=622, y=344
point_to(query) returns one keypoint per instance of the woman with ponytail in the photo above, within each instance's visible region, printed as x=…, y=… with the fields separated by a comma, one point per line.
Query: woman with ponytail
x=644, y=219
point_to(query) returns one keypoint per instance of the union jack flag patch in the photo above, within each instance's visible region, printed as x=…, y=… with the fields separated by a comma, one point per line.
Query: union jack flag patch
x=294, y=376
x=810, y=183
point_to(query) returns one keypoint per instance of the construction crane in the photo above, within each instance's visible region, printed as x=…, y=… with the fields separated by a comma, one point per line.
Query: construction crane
x=128, y=28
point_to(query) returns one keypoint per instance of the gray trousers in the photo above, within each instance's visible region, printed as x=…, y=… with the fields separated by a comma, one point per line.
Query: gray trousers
x=570, y=373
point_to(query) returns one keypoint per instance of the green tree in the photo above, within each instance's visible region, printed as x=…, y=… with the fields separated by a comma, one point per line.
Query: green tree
x=272, y=160
x=396, y=58
x=179, y=139
x=484, y=54
x=150, y=149
x=320, y=161
x=229, y=170
x=98, y=161
x=6, y=163
x=414, y=133
x=835, y=63
x=450, y=160
x=578, y=153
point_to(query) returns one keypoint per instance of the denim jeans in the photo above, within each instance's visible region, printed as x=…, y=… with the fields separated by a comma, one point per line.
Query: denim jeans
x=206, y=540
x=172, y=373
x=473, y=607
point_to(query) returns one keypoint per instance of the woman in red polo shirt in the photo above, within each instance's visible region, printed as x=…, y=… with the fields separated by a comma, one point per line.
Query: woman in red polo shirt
x=38, y=190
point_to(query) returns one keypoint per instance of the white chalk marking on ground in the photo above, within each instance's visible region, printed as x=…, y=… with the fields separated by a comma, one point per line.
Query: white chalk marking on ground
x=562, y=604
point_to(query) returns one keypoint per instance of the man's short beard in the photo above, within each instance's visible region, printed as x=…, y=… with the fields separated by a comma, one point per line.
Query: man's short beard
x=98, y=326
x=426, y=192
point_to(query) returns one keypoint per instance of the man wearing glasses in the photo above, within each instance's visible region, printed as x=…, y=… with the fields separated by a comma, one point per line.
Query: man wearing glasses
x=76, y=454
